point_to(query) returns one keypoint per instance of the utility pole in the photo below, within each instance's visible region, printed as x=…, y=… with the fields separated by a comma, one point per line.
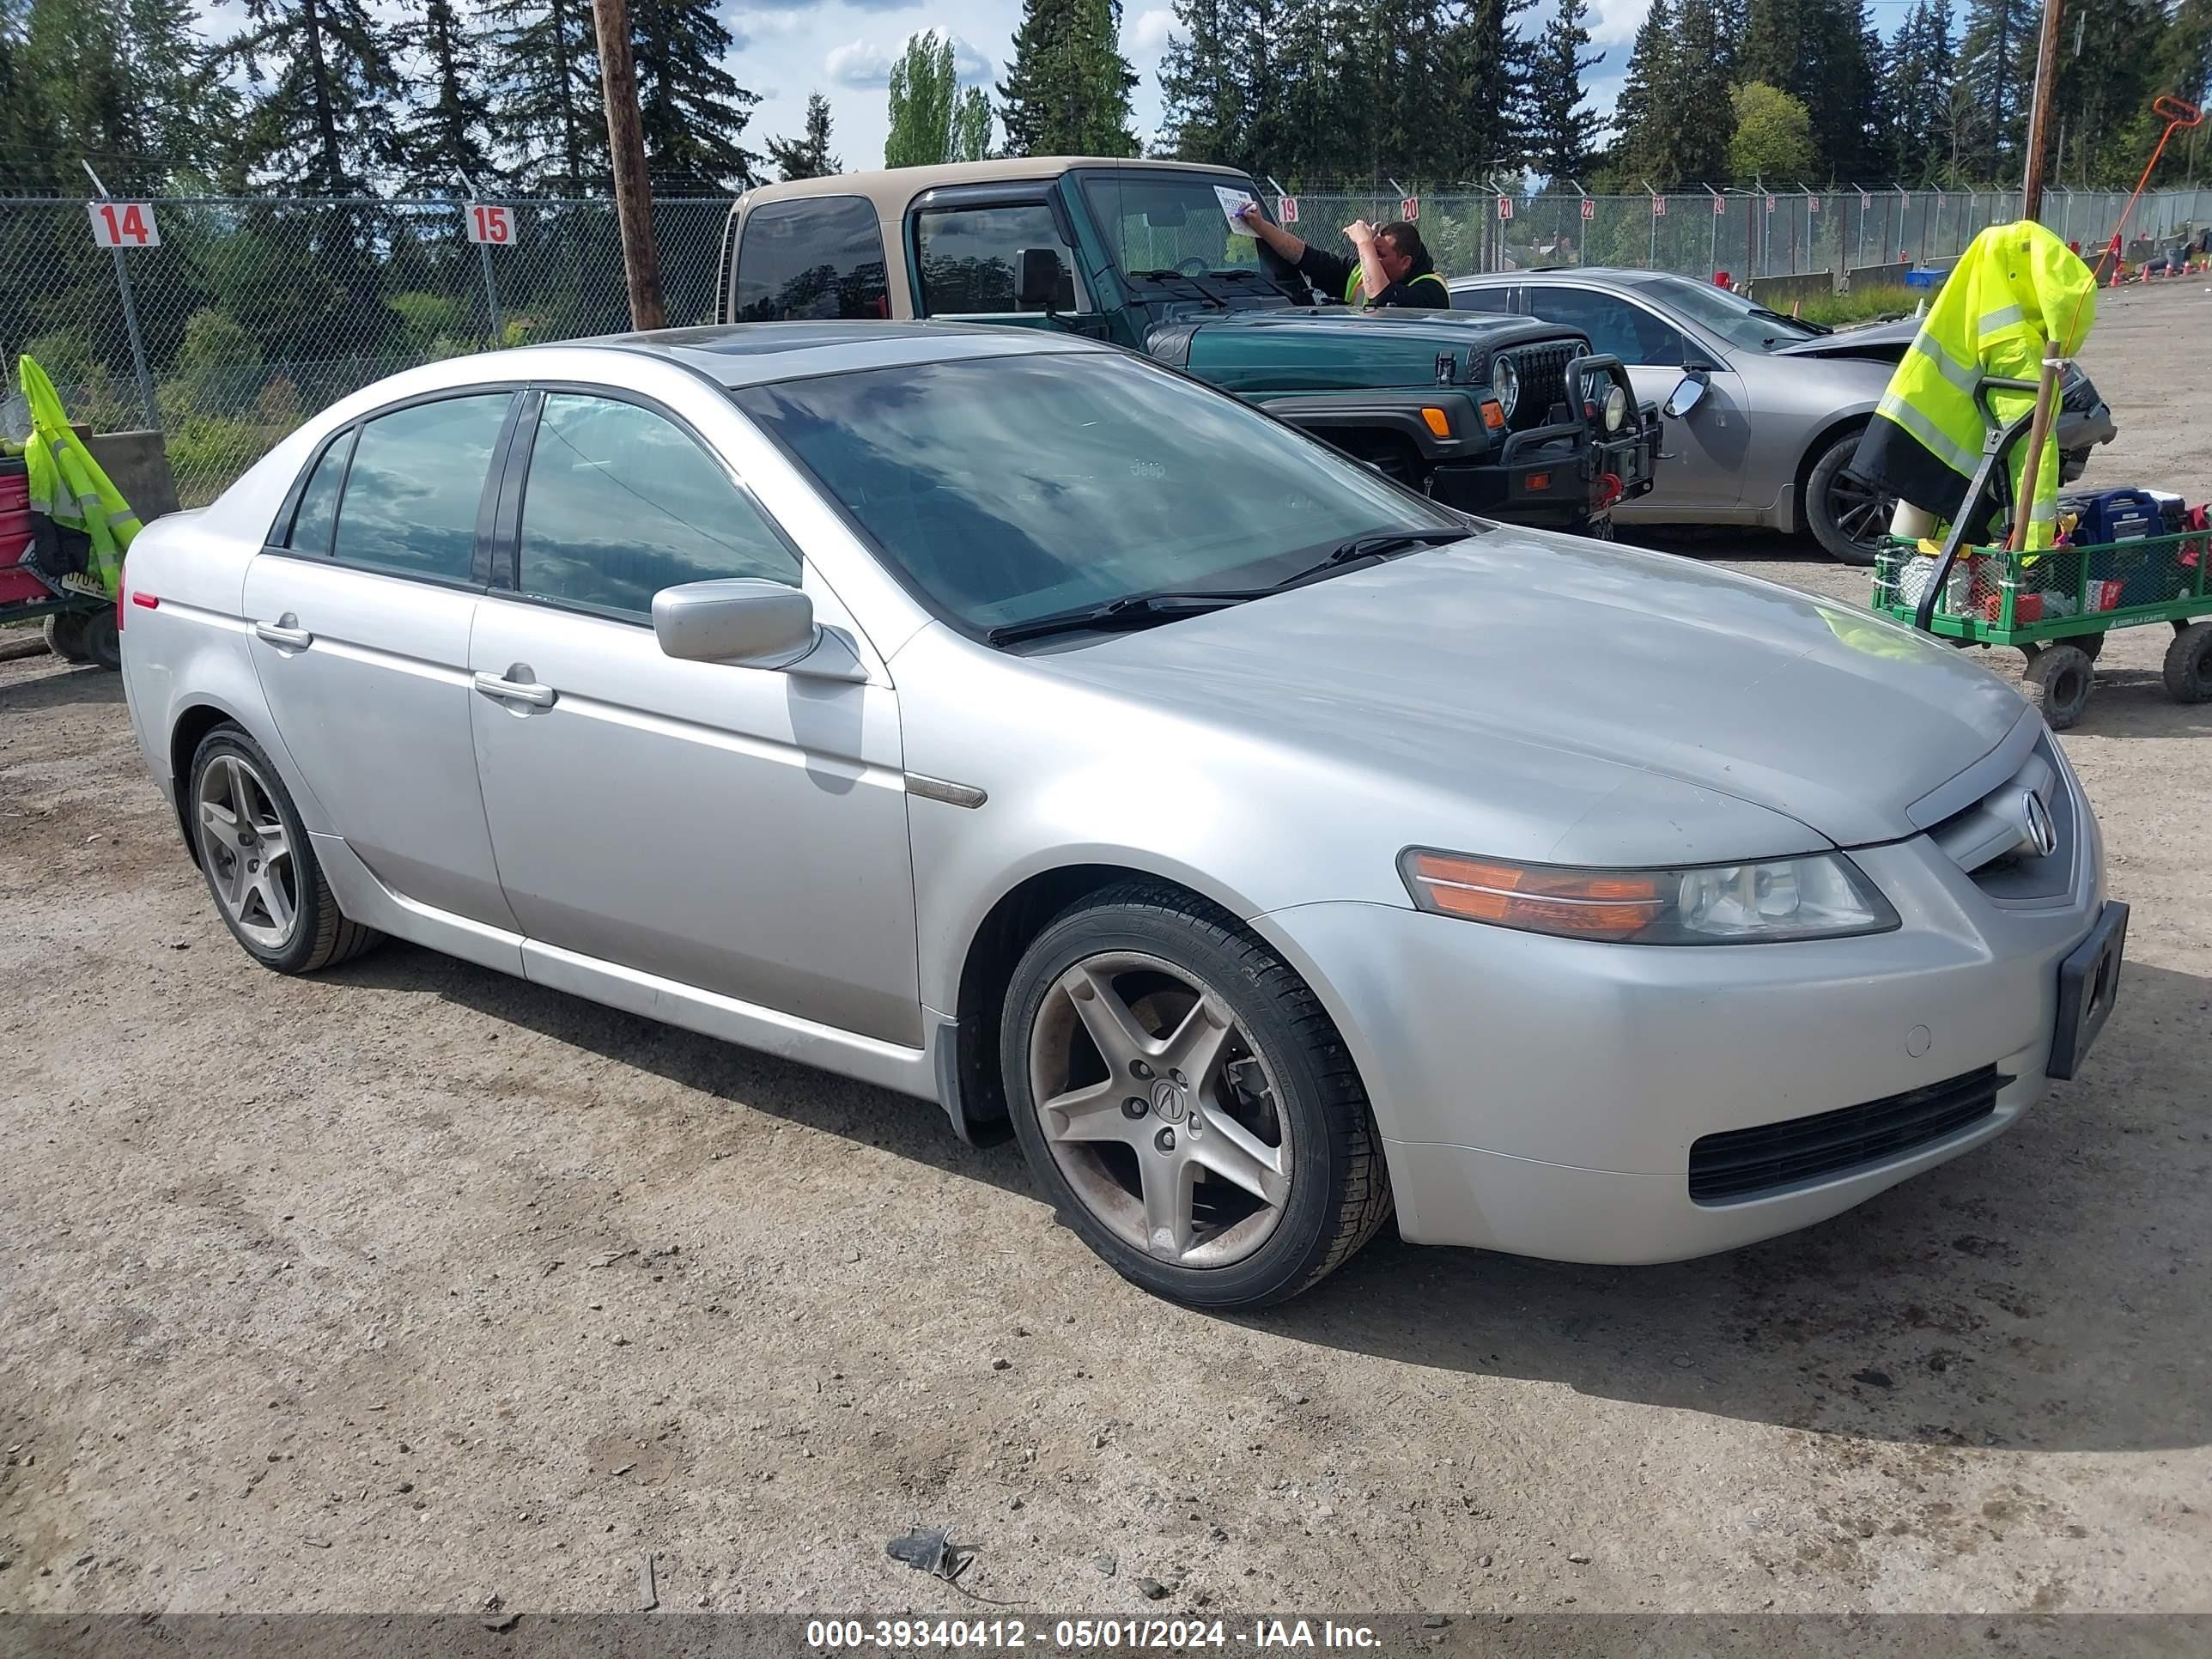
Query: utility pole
x=2039, y=110
x=626, y=151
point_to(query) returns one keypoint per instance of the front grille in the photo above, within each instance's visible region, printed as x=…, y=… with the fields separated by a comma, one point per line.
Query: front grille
x=1543, y=382
x=1985, y=840
x=1745, y=1162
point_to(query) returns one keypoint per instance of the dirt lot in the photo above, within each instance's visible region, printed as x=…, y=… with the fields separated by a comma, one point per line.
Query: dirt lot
x=413, y=1284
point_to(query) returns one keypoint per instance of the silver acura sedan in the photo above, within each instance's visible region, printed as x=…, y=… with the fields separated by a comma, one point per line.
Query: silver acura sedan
x=1012, y=723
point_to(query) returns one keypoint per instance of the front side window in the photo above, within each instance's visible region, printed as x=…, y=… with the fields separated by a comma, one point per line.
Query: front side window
x=1007, y=489
x=417, y=481
x=818, y=259
x=621, y=502
x=968, y=257
x=1615, y=327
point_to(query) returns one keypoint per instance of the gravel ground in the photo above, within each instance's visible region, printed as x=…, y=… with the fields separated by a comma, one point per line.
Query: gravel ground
x=411, y=1284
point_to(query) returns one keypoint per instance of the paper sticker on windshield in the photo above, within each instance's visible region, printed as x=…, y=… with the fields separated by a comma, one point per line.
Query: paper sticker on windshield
x=1233, y=202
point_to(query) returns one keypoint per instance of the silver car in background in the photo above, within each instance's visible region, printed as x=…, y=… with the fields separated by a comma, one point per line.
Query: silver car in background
x=1012, y=723
x=1768, y=436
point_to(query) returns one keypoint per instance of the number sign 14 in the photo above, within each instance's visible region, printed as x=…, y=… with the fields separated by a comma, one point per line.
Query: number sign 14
x=125, y=224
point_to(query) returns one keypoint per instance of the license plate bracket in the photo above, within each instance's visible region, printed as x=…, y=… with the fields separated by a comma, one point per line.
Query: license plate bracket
x=2089, y=985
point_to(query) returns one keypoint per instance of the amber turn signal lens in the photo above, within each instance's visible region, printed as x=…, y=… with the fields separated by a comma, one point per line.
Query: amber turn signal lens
x=1439, y=422
x=1493, y=415
x=1538, y=481
x=1580, y=904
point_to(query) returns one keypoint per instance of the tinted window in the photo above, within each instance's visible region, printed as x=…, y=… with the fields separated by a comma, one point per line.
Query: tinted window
x=968, y=257
x=818, y=259
x=1009, y=488
x=412, y=492
x=318, y=512
x=1615, y=327
x=1482, y=299
x=621, y=503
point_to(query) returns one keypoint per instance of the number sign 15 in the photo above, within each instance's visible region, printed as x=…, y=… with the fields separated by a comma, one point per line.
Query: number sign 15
x=490, y=223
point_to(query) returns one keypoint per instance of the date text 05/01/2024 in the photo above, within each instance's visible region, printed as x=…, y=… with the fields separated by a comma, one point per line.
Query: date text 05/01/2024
x=901, y=1634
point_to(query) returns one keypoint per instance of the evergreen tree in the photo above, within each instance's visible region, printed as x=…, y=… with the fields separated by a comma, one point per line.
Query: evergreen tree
x=1562, y=131
x=1066, y=90
x=1916, y=73
x=1701, y=118
x=924, y=86
x=1645, y=142
x=1203, y=113
x=447, y=129
x=322, y=79
x=549, y=114
x=808, y=155
x=1483, y=125
x=125, y=83
x=690, y=109
x=1997, y=67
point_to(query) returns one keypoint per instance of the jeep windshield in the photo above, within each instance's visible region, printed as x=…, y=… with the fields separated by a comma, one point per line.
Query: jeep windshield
x=1157, y=221
x=1013, y=490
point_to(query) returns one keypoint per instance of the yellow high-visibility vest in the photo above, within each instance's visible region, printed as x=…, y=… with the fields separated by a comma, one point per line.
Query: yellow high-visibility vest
x=1355, y=281
x=68, y=485
x=2016, y=287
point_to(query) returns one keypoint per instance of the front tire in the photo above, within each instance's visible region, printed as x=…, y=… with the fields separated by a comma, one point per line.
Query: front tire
x=1847, y=516
x=100, y=640
x=64, y=632
x=259, y=865
x=1186, y=1102
x=2188, y=671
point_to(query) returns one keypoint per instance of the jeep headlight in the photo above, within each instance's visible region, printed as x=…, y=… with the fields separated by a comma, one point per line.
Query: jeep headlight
x=1820, y=895
x=1616, y=406
x=1505, y=385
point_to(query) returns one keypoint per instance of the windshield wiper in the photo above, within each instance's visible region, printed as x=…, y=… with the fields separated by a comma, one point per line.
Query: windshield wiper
x=1379, y=546
x=1131, y=611
x=1165, y=276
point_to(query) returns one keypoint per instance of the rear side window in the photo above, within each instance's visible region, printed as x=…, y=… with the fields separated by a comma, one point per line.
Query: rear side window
x=818, y=259
x=621, y=502
x=968, y=257
x=318, y=512
x=1482, y=299
x=417, y=481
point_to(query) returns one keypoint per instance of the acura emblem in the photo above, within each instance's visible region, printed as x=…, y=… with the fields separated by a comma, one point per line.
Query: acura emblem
x=2035, y=822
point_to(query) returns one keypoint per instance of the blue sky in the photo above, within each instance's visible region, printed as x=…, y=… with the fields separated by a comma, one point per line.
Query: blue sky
x=844, y=49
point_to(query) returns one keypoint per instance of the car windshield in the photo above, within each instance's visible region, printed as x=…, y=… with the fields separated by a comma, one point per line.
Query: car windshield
x=1171, y=221
x=1007, y=488
x=1734, y=318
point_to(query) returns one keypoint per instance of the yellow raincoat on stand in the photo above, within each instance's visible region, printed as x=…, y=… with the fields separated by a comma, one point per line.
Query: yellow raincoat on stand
x=2016, y=287
x=68, y=485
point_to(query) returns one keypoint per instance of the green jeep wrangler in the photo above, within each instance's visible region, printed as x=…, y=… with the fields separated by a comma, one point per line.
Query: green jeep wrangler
x=1507, y=416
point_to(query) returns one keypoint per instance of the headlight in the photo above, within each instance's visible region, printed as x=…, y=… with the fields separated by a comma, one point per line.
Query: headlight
x=1505, y=385
x=1616, y=408
x=1822, y=896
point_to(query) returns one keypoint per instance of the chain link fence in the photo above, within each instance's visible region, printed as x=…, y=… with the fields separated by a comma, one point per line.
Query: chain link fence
x=252, y=314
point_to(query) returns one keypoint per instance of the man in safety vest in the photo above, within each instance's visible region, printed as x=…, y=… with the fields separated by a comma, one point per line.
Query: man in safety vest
x=1392, y=266
x=2016, y=287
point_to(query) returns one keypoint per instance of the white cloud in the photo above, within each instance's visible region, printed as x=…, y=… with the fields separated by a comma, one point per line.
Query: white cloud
x=868, y=62
x=1146, y=35
x=1614, y=22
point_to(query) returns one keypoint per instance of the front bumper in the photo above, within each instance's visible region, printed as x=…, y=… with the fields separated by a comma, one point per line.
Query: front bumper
x=1565, y=474
x=1541, y=1095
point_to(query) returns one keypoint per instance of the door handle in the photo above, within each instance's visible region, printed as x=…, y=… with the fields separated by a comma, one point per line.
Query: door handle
x=538, y=696
x=295, y=639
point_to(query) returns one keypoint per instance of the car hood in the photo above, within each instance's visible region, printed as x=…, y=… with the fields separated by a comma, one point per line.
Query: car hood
x=1336, y=348
x=1885, y=341
x=1616, y=692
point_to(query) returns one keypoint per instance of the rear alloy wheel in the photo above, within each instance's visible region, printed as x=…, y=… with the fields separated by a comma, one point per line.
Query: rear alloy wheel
x=2189, y=665
x=1847, y=516
x=1187, y=1103
x=2058, y=682
x=260, y=864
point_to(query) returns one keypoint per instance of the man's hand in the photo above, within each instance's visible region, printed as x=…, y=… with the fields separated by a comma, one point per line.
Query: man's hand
x=1361, y=232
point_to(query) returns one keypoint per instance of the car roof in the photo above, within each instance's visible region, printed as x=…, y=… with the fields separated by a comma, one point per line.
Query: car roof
x=753, y=354
x=1603, y=275
x=890, y=189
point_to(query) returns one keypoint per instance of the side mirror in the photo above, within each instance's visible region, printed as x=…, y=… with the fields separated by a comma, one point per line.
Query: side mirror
x=1688, y=392
x=1037, y=275
x=741, y=620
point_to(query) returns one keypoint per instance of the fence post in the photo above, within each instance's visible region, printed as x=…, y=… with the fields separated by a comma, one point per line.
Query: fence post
x=491, y=296
x=130, y=322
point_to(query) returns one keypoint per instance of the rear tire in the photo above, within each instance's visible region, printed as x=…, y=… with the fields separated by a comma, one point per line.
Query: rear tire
x=2188, y=671
x=259, y=865
x=2092, y=645
x=1847, y=517
x=1135, y=1159
x=100, y=640
x=64, y=632
x=2058, y=682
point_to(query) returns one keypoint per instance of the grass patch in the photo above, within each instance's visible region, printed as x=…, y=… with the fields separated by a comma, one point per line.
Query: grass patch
x=1863, y=305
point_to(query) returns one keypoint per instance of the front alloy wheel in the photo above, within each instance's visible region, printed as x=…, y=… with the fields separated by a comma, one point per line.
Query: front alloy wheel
x=1186, y=1102
x=1159, y=1110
